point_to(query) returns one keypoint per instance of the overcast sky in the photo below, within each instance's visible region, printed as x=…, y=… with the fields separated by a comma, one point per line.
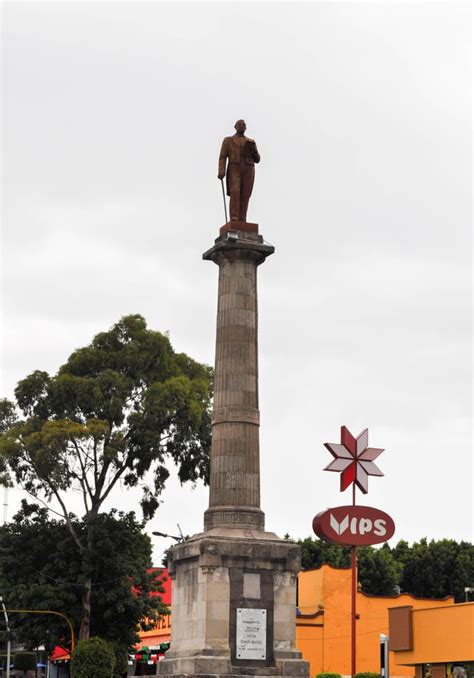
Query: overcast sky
x=113, y=115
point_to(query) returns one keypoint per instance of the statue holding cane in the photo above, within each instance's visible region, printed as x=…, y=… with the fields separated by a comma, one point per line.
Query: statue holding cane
x=240, y=154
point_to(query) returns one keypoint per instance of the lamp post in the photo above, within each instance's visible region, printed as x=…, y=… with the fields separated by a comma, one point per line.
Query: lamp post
x=171, y=536
x=7, y=624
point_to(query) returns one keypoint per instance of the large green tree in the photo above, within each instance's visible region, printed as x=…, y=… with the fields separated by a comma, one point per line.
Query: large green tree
x=119, y=409
x=436, y=569
x=316, y=552
x=378, y=571
x=41, y=569
x=432, y=569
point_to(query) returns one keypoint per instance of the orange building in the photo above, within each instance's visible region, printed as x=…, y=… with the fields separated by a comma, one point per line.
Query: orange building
x=323, y=627
x=437, y=641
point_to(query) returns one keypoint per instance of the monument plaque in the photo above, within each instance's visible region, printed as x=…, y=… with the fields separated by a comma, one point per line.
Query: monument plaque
x=251, y=633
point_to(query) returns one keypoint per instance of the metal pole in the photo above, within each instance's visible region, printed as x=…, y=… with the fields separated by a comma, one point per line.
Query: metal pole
x=7, y=624
x=225, y=204
x=353, y=611
x=58, y=614
x=353, y=599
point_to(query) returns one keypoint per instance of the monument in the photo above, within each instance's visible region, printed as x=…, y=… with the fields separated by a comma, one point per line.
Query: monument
x=234, y=584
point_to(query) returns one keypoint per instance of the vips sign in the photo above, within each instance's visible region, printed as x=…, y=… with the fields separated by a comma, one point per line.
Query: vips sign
x=354, y=525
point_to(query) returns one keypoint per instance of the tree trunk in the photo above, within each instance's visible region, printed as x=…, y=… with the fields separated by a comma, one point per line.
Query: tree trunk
x=84, y=630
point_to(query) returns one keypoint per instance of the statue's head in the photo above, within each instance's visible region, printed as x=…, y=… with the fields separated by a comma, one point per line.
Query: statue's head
x=240, y=126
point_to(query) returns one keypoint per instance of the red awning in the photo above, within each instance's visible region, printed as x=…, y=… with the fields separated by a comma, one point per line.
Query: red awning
x=59, y=653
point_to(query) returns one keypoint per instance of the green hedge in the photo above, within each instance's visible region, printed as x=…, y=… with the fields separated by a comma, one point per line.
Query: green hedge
x=367, y=674
x=24, y=661
x=121, y=659
x=93, y=657
x=328, y=675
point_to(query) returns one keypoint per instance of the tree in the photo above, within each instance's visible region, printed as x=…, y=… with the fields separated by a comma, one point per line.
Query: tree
x=378, y=571
x=436, y=569
x=117, y=410
x=41, y=569
x=432, y=569
x=316, y=552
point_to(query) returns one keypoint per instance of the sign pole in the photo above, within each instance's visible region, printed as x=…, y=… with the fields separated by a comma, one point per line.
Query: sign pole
x=354, y=525
x=353, y=599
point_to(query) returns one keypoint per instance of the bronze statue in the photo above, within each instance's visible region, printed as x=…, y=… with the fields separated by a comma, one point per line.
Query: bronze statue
x=241, y=154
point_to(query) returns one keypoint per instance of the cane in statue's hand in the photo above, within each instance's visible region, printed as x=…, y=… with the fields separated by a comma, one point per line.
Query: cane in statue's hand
x=223, y=197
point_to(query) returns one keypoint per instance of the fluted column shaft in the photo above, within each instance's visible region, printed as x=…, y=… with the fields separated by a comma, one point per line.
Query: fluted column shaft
x=234, y=497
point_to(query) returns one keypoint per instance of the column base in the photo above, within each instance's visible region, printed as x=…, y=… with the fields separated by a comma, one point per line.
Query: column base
x=234, y=517
x=221, y=667
x=219, y=578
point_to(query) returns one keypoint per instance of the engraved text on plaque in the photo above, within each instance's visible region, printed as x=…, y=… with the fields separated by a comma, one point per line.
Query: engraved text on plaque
x=251, y=641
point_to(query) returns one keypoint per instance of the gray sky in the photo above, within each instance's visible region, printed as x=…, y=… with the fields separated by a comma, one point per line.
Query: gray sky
x=113, y=114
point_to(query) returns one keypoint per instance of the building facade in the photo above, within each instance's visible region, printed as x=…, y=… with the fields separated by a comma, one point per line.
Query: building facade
x=435, y=642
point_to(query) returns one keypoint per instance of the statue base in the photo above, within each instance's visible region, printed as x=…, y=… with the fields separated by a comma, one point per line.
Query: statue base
x=235, y=225
x=234, y=607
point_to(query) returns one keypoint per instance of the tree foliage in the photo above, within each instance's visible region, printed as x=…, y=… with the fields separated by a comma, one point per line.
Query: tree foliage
x=316, y=552
x=379, y=573
x=41, y=569
x=119, y=409
x=432, y=569
x=436, y=569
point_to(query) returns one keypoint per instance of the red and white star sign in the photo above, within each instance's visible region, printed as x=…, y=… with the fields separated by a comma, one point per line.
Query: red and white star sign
x=354, y=459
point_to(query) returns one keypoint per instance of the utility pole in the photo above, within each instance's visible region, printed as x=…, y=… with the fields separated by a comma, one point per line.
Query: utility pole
x=7, y=624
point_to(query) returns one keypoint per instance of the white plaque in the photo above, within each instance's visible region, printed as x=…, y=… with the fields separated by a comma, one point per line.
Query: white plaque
x=251, y=641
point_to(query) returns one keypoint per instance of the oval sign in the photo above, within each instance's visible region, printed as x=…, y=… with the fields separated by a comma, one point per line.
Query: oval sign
x=354, y=525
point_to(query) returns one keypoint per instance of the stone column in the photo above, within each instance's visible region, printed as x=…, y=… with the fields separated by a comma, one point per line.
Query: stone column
x=234, y=493
x=234, y=574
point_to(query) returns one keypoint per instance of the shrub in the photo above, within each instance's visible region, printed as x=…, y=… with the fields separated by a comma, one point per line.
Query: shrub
x=121, y=659
x=24, y=661
x=329, y=675
x=93, y=657
x=367, y=674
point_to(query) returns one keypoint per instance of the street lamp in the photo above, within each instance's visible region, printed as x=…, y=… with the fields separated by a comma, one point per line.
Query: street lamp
x=7, y=624
x=171, y=536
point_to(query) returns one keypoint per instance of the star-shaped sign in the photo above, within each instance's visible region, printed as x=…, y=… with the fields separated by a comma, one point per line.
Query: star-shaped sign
x=354, y=459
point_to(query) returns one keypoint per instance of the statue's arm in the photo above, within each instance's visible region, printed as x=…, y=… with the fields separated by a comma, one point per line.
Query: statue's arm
x=255, y=153
x=222, y=160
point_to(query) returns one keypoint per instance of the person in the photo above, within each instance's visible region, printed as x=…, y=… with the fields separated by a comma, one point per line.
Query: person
x=240, y=154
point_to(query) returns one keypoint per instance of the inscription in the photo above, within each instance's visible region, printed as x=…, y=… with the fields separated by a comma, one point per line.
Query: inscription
x=251, y=640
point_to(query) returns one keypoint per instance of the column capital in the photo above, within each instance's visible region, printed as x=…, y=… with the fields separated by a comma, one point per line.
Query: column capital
x=237, y=244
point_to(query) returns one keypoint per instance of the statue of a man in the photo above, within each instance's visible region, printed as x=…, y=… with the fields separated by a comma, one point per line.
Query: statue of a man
x=241, y=154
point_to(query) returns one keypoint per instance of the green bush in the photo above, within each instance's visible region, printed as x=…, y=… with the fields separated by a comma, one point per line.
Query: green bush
x=367, y=674
x=121, y=659
x=329, y=675
x=24, y=661
x=93, y=657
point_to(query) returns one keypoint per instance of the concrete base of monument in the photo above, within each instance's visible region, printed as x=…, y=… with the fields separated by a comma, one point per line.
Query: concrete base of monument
x=233, y=607
x=244, y=226
x=221, y=667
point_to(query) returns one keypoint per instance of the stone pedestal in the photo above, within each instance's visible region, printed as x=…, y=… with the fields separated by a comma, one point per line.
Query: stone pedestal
x=234, y=585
